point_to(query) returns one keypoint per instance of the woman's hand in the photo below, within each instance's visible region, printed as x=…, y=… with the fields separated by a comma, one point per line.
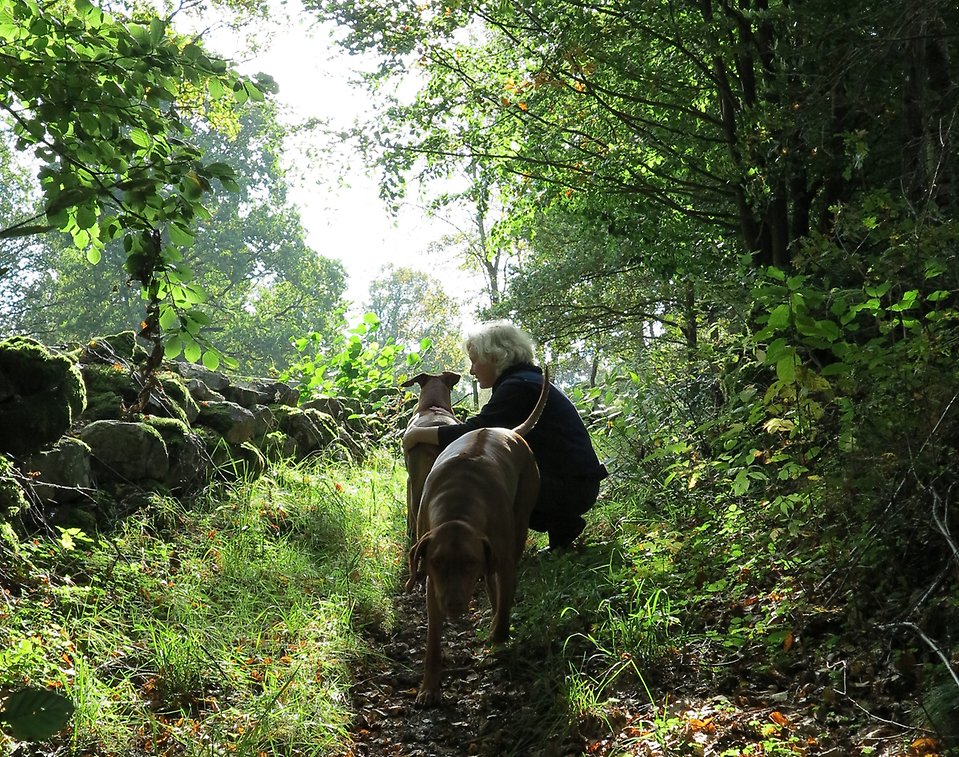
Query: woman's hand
x=420, y=435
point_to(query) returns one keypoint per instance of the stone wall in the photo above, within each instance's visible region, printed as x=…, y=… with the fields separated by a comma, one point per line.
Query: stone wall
x=68, y=430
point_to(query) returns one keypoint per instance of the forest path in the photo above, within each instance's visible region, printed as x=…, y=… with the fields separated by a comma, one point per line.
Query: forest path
x=485, y=696
x=504, y=705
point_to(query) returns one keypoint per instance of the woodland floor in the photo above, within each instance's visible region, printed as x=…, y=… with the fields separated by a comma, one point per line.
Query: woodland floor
x=497, y=706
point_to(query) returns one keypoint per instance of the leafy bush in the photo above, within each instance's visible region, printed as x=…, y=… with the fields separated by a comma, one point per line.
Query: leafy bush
x=356, y=366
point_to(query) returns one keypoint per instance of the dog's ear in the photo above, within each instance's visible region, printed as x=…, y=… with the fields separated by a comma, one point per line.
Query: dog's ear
x=419, y=378
x=450, y=378
x=417, y=553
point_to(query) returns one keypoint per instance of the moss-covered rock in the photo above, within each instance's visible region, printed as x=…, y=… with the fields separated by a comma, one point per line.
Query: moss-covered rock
x=190, y=464
x=12, y=500
x=248, y=461
x=264, y=422
x=277, y=446
x=110, y=390
x=126, y=452
x=124, y=348
x=312, y=430
x=41, y=394
x=213, y=380
x=233, y=461
x=177, y=393
x=60, y=475
x=234, y=423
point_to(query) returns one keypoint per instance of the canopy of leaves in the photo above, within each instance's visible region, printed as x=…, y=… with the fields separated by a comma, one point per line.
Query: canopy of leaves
x=683, y=134
x=100, y=102
x=411, y=306
x=259, y=281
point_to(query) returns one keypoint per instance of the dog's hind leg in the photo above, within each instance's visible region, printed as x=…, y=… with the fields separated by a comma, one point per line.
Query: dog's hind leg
x=505, y=590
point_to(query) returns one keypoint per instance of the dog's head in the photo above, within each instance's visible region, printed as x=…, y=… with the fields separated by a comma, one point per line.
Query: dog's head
x=453, y=556
x=446, y=378
x=435, y=390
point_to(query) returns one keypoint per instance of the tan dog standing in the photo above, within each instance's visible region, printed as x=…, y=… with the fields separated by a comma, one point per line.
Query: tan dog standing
x=473, y=522
x=434, y=408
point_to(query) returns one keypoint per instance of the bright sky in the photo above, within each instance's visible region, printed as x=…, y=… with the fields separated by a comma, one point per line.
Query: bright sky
x=343, y=215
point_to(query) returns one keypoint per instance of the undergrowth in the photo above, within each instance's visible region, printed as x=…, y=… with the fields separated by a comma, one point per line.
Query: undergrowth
x=235, y=625
x=229, y=626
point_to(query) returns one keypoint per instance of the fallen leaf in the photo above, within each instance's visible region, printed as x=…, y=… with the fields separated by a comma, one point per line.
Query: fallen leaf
x=779, y=719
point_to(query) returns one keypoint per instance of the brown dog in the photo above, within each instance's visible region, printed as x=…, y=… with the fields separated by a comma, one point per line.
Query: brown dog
x=473, y=522
x=433, y=409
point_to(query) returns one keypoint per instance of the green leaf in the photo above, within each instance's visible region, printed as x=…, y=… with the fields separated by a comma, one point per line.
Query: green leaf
x=36, y=714
x=172, y=347
x=836, y=369
x=776, y=273
x=179, y=235
x=157, y=29
x=254, y=92
x=220, y=170
x=81, y=238
x=779, y=316
x=211, y=360
x=192, y=351
x=741, y=483
x=908, y=301
x=786, y=368
x=776, y=350
x=86, y=216
x=215, y=88
x=168, y=318
x=828, y=330
x=140, y=137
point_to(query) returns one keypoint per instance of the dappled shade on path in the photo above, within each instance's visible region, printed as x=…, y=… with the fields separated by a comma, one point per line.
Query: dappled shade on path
x=486, y=696
x=508, y=704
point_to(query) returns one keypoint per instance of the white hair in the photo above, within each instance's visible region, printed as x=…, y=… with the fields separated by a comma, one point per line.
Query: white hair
x=501, y=344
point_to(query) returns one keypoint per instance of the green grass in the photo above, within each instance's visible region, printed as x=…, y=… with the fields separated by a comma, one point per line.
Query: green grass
x=226, y=626
x=231, y=626
x=234, y=625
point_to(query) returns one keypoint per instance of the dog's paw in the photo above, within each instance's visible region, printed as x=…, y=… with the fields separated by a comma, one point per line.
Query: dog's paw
x=498, y=634
x=428, y=697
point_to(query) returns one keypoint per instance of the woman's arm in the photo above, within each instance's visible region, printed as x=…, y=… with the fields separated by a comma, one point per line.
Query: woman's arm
x=508, y=406
x=420, y=435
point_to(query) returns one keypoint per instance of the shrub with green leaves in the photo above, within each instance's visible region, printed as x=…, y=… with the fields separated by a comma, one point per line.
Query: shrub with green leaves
x=356, y=366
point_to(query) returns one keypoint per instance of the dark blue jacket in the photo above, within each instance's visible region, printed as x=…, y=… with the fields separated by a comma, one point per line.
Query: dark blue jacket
x=559, y=441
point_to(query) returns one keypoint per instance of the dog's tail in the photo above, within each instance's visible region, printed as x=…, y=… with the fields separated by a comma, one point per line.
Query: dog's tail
x=526, y=426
